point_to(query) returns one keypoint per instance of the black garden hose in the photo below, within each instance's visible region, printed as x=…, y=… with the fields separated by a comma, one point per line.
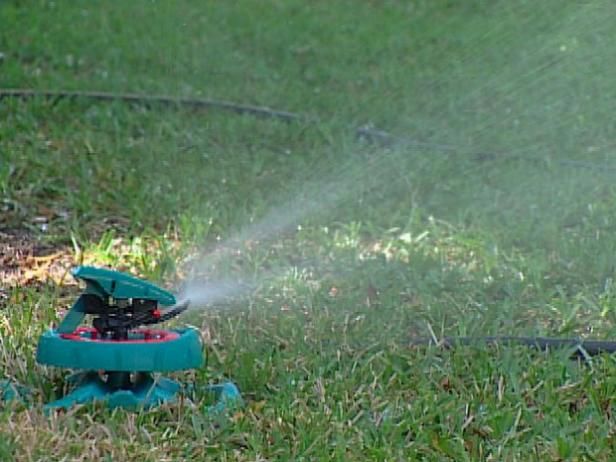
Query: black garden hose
x=151, y=100
x=581, y=348
x=366, y=132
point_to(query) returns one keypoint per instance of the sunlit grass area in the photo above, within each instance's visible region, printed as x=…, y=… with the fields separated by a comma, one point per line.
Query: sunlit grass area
x=494, y=215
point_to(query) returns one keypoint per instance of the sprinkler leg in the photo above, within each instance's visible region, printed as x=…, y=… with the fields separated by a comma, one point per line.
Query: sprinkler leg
x=91, y=388
x=118, y=391
x=11, y=391
x=146, y=392
x=228, y=397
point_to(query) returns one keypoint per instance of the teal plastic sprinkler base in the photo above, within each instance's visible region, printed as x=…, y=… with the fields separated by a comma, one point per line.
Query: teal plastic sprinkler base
x=117, y=390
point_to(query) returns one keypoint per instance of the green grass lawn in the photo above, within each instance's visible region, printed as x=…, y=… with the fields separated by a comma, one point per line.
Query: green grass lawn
x=350, y=249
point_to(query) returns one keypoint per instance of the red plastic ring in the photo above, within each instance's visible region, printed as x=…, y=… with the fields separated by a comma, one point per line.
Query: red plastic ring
x=89, y=334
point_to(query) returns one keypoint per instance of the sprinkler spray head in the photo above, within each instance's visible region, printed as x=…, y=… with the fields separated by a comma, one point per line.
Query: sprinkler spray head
x=119, y=303
x=115, y=318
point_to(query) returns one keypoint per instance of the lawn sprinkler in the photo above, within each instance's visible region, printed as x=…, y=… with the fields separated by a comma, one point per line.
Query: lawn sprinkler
x=118, y=354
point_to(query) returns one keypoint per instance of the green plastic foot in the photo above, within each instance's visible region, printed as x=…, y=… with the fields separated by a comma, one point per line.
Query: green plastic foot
x=228, y=397
x=11, y=391
x=119, y=391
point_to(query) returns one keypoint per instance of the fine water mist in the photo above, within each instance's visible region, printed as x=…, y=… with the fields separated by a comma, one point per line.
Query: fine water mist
x=513, y=120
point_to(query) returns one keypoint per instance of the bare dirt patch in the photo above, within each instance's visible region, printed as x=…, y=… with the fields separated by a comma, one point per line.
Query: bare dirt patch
x=26, y=260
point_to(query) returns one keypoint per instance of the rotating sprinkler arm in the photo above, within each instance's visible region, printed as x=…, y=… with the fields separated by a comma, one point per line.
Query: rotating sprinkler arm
x=136, y=302
x=169, y=313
